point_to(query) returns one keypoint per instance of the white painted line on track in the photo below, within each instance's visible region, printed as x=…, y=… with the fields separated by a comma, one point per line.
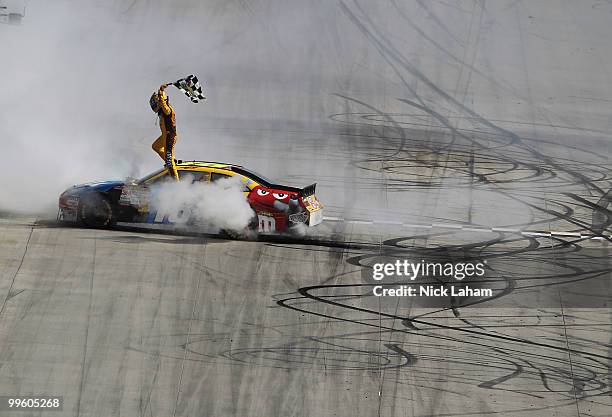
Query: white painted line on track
x=447, y=226
x=474, y=229
x=503, y=229
x=464, y=228
x=536, y=234
x=571, y=234
x=418, y=226
x=333, y=219
x=392, y=223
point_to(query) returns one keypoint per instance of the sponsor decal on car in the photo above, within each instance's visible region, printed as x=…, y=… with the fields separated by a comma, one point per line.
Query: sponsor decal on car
x=299, y=217
x=266, y=223
x=135, y=196
x=312, y=204
x=64, y=215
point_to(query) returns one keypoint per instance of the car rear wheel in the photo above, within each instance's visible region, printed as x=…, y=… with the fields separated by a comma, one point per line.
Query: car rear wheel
x=96, y=211
x=249, y=233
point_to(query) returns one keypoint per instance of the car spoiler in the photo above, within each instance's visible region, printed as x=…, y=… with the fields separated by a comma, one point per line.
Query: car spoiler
x=308, y=190
x=303, y=192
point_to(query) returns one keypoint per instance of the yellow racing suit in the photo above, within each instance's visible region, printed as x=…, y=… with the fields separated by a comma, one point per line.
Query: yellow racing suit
x=164, y=145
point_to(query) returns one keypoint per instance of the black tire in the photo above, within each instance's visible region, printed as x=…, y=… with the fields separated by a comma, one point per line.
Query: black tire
x=96, y=211
x=249, y=233
x=253, y=224
x=297, y=230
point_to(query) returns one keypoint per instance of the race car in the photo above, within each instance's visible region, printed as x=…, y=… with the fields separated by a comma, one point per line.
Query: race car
x=278, y=208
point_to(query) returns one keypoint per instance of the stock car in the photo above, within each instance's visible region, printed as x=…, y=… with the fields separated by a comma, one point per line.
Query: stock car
x=277, y=208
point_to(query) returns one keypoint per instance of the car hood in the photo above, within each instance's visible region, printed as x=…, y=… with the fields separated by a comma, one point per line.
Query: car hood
x=98, y=186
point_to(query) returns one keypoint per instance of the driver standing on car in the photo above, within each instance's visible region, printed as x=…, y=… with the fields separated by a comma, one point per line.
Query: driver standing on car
x=164, y=145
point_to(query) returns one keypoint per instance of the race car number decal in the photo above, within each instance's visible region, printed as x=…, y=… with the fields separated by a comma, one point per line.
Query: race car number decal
x=180, y=217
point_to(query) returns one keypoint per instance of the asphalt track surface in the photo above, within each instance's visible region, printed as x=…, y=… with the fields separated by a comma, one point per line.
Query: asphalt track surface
x=446, y=131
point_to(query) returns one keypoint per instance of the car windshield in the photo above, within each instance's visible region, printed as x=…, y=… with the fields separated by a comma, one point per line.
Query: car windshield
x=146, y=177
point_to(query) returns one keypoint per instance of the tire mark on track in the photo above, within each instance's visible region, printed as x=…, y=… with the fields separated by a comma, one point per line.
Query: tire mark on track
x=84, y=367
x=10, y=289
x=188, y=336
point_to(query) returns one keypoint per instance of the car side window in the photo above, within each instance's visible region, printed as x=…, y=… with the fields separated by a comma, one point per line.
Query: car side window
x=216, y=176
x=194, y=176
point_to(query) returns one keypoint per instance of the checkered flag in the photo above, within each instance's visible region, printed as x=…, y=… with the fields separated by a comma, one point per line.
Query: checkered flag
x=191, y=87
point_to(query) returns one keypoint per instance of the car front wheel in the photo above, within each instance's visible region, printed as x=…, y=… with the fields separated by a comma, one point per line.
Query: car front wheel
x=96, y=211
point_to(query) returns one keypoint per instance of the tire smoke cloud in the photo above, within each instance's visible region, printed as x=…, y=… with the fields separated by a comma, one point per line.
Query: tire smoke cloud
x=220, y=205
x=76, y=77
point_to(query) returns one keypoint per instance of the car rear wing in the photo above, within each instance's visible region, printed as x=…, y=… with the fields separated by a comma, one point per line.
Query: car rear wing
x=303, y=192
x=308, y=190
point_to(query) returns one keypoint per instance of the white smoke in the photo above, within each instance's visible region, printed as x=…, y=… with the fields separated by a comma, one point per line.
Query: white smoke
x=76, y=78
x=220, y=204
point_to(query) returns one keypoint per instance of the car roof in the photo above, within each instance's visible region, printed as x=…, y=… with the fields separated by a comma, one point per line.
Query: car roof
x=239, y=169
x=206, y=164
